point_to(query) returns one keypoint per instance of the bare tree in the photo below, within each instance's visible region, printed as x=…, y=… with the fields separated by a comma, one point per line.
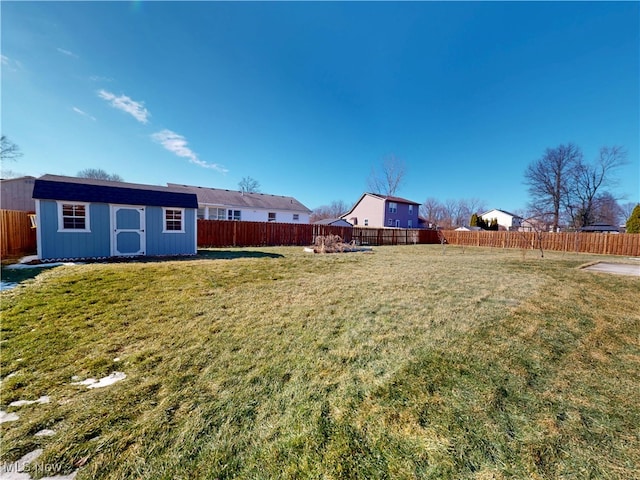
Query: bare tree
x=334, y=210
x=587, y=183
x=99, y=174
x=626, y=209
x=8, y=149
x=432, y=211
x=249, y=185
x=389, y=180
x=549, y=179
x=607, y=210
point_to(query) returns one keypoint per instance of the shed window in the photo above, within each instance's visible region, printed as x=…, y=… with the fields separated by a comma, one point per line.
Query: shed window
x=73, y=217
x=173, y=220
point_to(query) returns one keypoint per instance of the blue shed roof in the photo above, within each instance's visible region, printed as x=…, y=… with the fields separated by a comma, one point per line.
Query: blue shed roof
x=54, y=187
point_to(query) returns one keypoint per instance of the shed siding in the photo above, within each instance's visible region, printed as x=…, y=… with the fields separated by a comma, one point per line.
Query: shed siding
x=159, y=243
x=54, y=244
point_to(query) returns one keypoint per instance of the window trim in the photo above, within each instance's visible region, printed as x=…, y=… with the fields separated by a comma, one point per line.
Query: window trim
x=87, y=217
x=231, y=215
x=164, y=219
x=217, y=215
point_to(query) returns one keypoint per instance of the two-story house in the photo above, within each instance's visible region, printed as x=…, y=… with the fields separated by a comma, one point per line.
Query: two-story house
x=506, y=220
x=374, y=210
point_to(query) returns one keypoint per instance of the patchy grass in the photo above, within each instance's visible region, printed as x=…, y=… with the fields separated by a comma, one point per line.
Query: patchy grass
x=273, y=363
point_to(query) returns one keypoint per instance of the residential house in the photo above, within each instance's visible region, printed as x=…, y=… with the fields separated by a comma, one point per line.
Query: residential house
x=80, y=218
x=16, y=194
x=506, y=220
x=334, y=222
x=374, y=210
x=220, y=204
x=600, y=228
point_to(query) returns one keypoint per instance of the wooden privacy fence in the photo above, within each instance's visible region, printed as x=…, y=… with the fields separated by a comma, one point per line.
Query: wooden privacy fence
x=221, y=233
x=599, y=243
x=16, y=235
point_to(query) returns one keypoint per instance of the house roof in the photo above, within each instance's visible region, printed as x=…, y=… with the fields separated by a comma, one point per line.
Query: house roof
x=55, y=187
x=235, y=198
x=381, y=197
x=600, y=227
x=392, y=199
x=502, y=211
x=7, y=180
x=330, y=221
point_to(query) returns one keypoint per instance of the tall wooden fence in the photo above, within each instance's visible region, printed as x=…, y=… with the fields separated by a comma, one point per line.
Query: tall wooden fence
x=599, y=243
x=221, y=233
x=16, y=235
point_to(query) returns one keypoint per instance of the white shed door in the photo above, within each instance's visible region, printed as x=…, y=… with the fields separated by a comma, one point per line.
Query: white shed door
x=127, y=226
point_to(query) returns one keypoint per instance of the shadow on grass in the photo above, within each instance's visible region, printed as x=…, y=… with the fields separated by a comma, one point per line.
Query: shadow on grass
x=10, y=277
x=233, y=254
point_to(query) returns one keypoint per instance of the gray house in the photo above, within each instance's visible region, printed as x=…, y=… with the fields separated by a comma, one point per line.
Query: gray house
x=16, y=194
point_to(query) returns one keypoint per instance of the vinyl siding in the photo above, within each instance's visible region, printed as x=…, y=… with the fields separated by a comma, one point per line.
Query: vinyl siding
x=159, y=243
x=54, y=244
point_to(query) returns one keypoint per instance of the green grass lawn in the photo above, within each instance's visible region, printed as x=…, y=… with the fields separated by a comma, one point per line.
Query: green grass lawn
x=274, y=363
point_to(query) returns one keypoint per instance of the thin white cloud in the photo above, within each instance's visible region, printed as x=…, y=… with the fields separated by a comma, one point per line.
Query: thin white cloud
x=83, y=113
x=10, y=64
x=66, y=52
x=98, y=78
x=177, y=144
x=126, y=104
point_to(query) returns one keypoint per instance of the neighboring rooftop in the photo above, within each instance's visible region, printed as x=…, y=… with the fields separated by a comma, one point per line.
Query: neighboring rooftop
x=236, y=198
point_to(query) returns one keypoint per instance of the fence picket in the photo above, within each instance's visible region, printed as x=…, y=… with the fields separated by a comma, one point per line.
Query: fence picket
x=16, y=235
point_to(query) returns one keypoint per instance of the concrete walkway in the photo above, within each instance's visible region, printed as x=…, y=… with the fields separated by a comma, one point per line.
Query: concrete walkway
x=616, y=268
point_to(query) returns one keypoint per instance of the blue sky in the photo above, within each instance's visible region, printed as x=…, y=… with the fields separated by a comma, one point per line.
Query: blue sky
x=307, y=97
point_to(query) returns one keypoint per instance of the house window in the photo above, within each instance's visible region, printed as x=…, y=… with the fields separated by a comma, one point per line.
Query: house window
x=410, y=224
x=234, y=215
x=366, y=222
x=296, y=217
x=272, y=217
x=173, y=220
x=217, y=213
x=397, y=223
x=201, y=213
x=390, y=223
x=73, y=217
x=393, y=207
x=410, y=209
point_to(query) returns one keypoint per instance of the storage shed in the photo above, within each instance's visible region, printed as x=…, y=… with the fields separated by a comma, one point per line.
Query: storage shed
x=80, y=218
